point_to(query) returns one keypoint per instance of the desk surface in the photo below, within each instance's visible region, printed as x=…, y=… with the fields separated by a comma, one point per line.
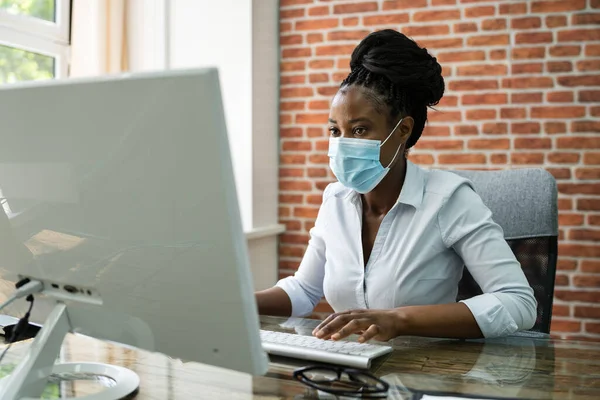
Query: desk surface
x=513, y=367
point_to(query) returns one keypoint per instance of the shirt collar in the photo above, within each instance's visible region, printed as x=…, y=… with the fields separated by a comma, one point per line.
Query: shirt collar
x=413, y=187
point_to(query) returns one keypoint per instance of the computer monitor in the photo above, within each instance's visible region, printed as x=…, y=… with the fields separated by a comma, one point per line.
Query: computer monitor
x=120, y=197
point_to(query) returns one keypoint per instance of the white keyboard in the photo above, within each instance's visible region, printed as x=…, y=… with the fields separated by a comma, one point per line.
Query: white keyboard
x=350, y=354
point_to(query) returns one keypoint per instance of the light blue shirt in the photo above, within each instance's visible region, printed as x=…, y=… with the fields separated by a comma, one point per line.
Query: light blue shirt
x=438, y=225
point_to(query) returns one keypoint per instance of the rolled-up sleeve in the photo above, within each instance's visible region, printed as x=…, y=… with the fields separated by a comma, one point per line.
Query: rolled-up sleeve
x=305, y=287
x=507, y=304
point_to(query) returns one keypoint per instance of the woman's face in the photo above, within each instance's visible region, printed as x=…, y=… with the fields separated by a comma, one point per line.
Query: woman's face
x=357, y=113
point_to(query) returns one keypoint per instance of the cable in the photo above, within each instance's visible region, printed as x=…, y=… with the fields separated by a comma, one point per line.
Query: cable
x=25, y=287
x=19, y=328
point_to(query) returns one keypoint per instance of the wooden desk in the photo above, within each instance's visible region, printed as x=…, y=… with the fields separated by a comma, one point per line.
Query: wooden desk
x=510, y=367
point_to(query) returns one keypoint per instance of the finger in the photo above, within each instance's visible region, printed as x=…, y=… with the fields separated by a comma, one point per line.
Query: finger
x=351, y=327
x=328, y=320
x=333, y=326
x=369, y=333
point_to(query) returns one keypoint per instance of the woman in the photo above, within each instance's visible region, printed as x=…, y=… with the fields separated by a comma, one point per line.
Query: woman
x=390, y=241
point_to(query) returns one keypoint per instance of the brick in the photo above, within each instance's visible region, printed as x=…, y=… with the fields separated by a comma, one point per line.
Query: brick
x=476, y=12
x=533, y=143
x=482, y=70
x=513, y=113
x=565, y=50
x=594, y=220
x=387, y=19
x=553, y=128
x=443, y=2
x=465, y=27
x=285, y=27
x=569, y=295
x=563, y=158
x=559, y=66
x=316, y=24
x=589, y=204
x=586, y=19
x=566, y=264
x=499, y=158
x=578, y=250
x=528, y=53
x=594, y=328
x=292, y=13
x=527, y=68
x=317, y=118
x=285, y=119
x=590, y=266
x=351, y=8
x=527, y=158
x=320, y=64
x=498, y=54
x=592, y=50
x=440, y=144
x=583, y=142
x=291, y=172
x=296, y=145
x=585, y=126
x=579, y=188
x=293, y=225
x=561, y=280
x=298, y=52
x=285, y=185
x=422, y=159
x=316, y=132
x=560, y=97
x=291, y=159
x=317, y=78
x=290, y=132
x=586, y=281
x=333, y=50
x=286, y=250
x=585, y=234
x=465, y=130
x=314, y=199
x=327, y=90
x=436, y=131
x=565, y=325
x=556, y=6
x=296, y=92
x=470, y=158
x=293, y=238
x=321, y=185
x=570, y=219
x=288, y=265
x=526, y=23
x=319, y=159
x=291, y=198
x=495, y=128
x=343, y=63
x=436, y=15
x=292, y=66
x=588, y=65
x=403, y=4
x=527, y=83
x=287, y=3
x=465, y=85
x=426, y=30
x=513, y=8
x=595, y=111
x=558, y=112
x=306, y=212
x=494, y=24
x=318, y=11
x=555, y=21
x=448, y=101
x=445, y=116
x=591, y=158
x=441, y=43
x=564, y=203
x=526, y=98
x=318, y=105
x=481, y=114
x=533, y=37
x=560, y=310
x=286, y=40
x=316, y=172
x=292, y=79
x=489, y=144
x=292, y=106
x=347, y=35
x=312, y=38
x=461, y=56
x=351, y=21
x=578, y=35
x=321, y=145
x=560, y=173
x=489, y=40
x=485, y=98
x=339, y=76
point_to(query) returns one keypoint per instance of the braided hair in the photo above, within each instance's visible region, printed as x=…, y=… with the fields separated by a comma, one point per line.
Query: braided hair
x=400, y=76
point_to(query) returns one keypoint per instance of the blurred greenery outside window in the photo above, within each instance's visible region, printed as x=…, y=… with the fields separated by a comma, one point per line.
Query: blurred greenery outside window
x=34, y=39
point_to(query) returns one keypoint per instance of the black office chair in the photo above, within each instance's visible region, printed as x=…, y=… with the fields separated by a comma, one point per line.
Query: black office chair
x=524, y=203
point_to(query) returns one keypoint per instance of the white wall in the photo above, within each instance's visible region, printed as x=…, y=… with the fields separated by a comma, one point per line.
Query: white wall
x=241, y=38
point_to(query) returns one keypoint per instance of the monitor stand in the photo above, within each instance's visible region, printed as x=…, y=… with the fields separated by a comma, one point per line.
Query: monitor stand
x=30, y=377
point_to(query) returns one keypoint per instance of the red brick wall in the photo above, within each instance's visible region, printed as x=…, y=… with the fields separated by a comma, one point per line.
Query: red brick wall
x=522, y=82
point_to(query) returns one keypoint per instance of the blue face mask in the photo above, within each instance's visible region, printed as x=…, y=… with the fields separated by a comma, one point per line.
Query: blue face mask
x=355, y=162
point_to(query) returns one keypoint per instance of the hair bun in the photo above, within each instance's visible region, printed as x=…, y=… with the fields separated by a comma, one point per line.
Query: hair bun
x=403, y=62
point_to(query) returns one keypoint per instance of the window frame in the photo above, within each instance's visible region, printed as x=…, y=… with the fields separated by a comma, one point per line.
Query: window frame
x=36, y=35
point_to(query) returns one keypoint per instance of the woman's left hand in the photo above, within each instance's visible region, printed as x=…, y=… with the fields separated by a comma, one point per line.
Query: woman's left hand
x=381, y=325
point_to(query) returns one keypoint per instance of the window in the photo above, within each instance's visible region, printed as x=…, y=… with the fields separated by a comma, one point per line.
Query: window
x=34, y=39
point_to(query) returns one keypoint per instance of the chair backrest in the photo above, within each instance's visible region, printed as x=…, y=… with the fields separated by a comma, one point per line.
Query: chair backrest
x=524, y=203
